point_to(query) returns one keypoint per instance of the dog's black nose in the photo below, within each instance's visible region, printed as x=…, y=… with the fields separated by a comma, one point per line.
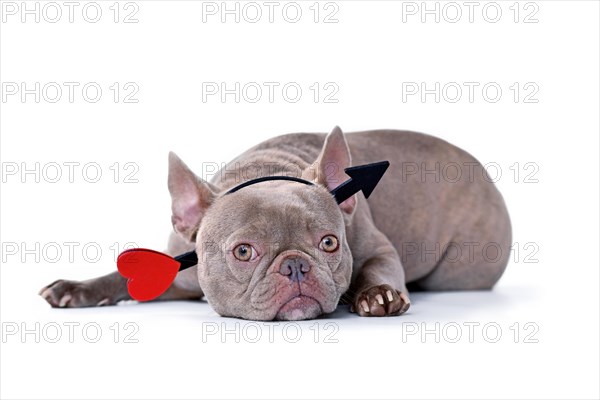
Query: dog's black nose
x=294, y=268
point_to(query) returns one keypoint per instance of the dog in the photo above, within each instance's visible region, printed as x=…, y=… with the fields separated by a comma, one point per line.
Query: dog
x=281, y=250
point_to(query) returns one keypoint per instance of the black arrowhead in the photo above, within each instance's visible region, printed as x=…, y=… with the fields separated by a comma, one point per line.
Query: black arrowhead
x=362, y=177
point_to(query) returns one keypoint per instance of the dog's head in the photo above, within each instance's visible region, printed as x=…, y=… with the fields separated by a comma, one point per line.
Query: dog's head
x=272, y=250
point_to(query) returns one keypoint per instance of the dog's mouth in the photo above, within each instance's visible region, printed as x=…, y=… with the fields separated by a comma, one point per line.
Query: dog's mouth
x=298, y=308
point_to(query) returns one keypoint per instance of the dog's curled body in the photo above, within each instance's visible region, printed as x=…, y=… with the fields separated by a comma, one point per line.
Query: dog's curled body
x=435, y=220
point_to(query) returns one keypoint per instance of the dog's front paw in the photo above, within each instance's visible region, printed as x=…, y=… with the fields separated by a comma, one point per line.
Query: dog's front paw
x=380, y=301
x=64, y=293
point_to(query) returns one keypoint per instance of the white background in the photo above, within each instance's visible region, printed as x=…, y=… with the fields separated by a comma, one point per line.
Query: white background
x=369, y=53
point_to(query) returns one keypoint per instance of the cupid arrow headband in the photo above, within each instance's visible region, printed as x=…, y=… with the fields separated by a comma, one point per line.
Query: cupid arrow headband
x=149, y=273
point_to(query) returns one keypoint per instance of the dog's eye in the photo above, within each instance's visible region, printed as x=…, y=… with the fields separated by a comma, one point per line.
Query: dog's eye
x=244, y=252
x=329, y=243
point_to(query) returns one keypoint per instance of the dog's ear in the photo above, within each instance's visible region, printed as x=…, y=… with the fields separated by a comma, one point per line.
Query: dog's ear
x=328, y=169
x=190, y=198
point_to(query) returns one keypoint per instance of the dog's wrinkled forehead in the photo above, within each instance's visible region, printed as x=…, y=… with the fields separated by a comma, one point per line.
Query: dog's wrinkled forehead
x=275, y=204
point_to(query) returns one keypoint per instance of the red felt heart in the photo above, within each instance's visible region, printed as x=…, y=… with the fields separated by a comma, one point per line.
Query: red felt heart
x=148, y=272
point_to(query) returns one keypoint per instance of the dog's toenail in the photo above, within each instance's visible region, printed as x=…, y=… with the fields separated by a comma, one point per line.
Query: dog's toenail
x=389, y=295
x=65, y=300
x=365, y=306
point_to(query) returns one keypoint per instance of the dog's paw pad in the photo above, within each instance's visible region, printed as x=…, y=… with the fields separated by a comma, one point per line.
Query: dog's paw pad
x=380, y=301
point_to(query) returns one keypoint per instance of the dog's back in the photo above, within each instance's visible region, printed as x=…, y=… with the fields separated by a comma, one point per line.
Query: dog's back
x=436, y=203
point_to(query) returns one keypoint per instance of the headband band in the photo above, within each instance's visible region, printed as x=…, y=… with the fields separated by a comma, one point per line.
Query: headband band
x=268, y=178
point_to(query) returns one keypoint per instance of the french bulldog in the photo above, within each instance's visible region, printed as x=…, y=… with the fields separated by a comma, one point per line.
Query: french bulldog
x=287, y=251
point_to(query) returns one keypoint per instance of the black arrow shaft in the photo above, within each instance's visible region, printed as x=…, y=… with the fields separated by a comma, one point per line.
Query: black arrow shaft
x=187, y=260
x=345, y=190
